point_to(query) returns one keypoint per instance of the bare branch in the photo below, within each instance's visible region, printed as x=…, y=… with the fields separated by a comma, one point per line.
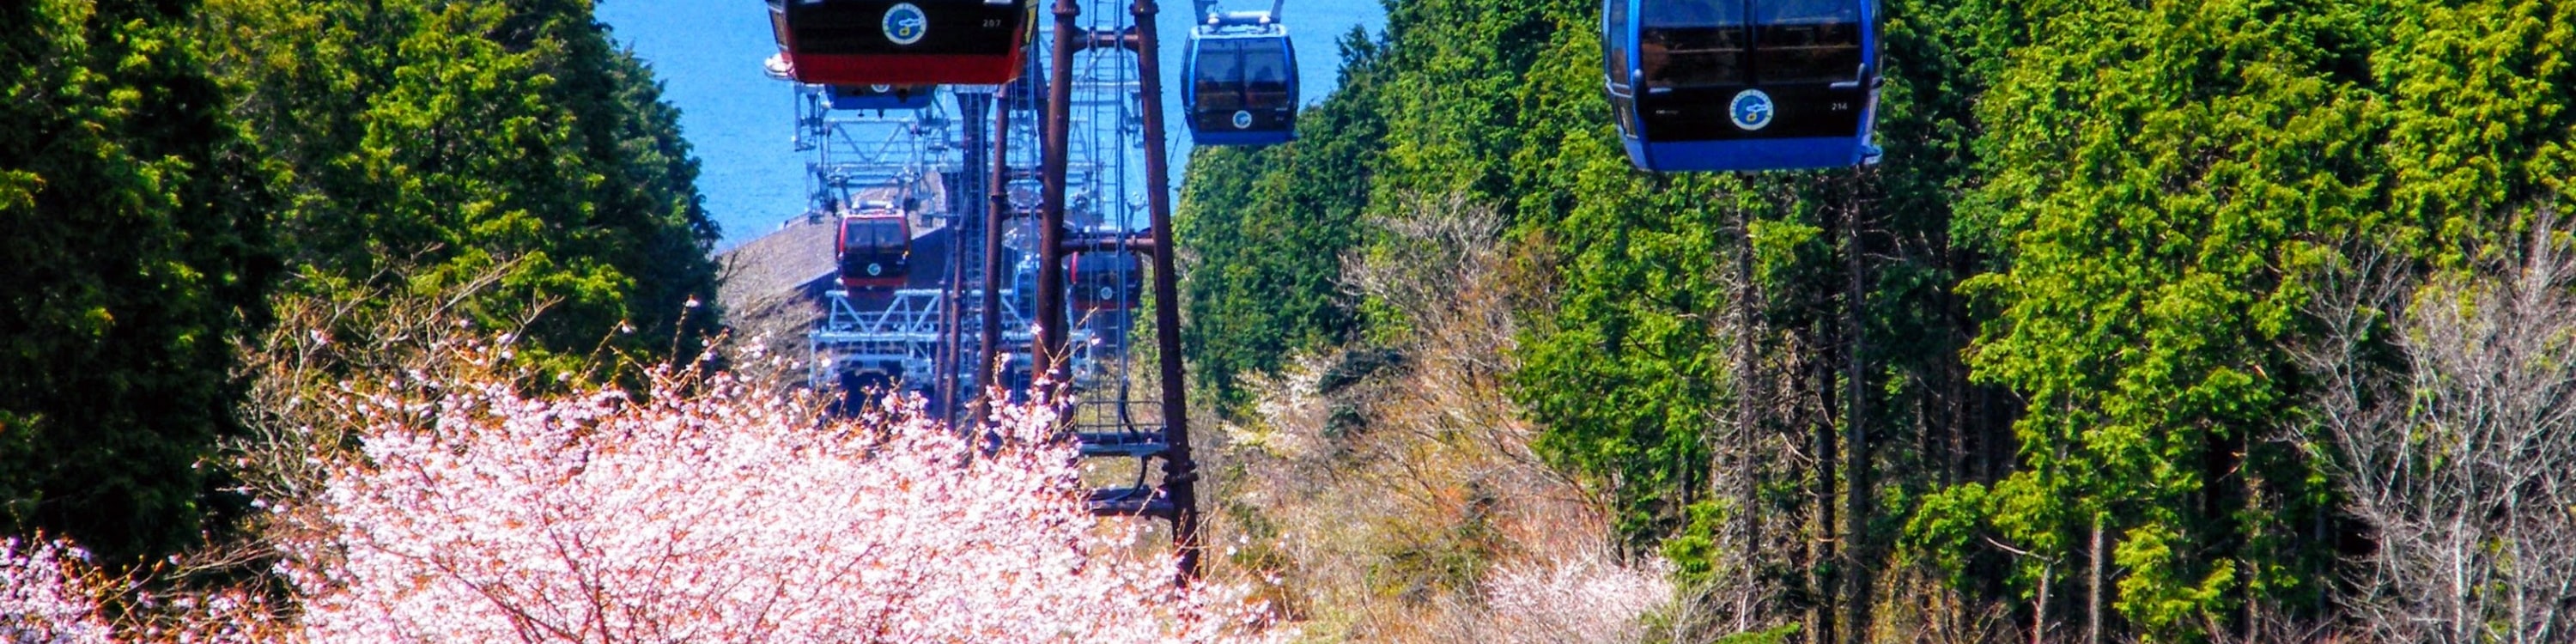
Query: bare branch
x=2443, y=407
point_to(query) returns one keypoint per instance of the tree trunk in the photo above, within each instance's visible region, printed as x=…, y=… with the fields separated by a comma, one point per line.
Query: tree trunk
x=2093, y=585
x=1856, y=489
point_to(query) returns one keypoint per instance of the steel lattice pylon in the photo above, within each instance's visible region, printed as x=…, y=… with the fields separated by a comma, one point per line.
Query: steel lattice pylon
x=1103, y=51
x=1074, y=160
x=907, y=339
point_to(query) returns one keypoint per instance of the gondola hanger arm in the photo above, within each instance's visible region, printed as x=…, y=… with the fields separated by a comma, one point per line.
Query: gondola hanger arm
x=1868, y=77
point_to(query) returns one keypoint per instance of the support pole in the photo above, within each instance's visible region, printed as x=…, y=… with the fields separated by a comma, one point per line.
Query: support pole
x=945, y=360
x=966, y=215
x=1050, y=353
x=1180, y=473
x=997, y=213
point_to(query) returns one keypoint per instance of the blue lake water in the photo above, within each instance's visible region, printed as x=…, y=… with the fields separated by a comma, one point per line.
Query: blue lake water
x=741, y=123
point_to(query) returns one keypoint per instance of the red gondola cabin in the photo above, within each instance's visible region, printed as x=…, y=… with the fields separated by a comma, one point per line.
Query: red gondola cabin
x=1104, y=281
x=894, y=42
x=874, y=248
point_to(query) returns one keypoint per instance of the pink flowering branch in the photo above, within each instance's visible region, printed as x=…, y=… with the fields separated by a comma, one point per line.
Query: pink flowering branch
x=39, y=601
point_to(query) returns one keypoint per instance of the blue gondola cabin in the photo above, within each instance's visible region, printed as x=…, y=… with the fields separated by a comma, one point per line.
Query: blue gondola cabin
x=1242, y=87
x=1742, y=85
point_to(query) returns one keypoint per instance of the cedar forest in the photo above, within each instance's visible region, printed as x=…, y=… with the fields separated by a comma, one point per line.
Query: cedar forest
x=2175, y=321
x=2109, y=278
x=173, y=173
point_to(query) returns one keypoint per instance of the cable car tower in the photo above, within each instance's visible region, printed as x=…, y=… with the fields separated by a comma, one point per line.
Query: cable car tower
x=1103, y=80
x=992, y=273
x=1045, y=275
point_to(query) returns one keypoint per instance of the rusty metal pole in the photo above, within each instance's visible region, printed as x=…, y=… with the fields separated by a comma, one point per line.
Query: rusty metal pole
x=944, y=366
x=996, y=215
x=966, y=214
x=1180, y=472
x=1049, y=353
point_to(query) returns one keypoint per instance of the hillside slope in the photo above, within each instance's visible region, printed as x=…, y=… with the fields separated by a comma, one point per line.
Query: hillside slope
x=2071, y=388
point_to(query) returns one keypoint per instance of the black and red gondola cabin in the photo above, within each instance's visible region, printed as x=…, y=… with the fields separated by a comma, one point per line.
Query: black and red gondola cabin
x=874, y=249
x=1105, y=281
x=1242, y=88
x=892, y=42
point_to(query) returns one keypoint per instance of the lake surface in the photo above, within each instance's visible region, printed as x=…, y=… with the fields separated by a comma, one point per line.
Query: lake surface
x=742, y=124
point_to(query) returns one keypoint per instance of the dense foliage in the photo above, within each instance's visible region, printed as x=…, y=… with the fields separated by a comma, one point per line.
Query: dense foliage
x=437, y=143
x=1264, y=228
x=169, y=169
x=2073, y=291
x=133, y=219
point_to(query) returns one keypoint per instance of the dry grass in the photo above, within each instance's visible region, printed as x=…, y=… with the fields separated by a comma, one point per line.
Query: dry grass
x=1390, y=495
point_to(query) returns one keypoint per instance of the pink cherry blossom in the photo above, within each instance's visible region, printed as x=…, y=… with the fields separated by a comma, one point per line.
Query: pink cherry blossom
x=706, y=510
x=702, y=510
x=39, y=604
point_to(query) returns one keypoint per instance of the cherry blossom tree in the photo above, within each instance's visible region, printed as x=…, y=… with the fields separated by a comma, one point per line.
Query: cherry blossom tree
x=707, y=509
x=698, y=508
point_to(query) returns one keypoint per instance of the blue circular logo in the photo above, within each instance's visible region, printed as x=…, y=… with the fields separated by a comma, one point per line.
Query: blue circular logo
x=1242, y=120
x=1750, y=110
x=905, y=24
x=876, y=269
